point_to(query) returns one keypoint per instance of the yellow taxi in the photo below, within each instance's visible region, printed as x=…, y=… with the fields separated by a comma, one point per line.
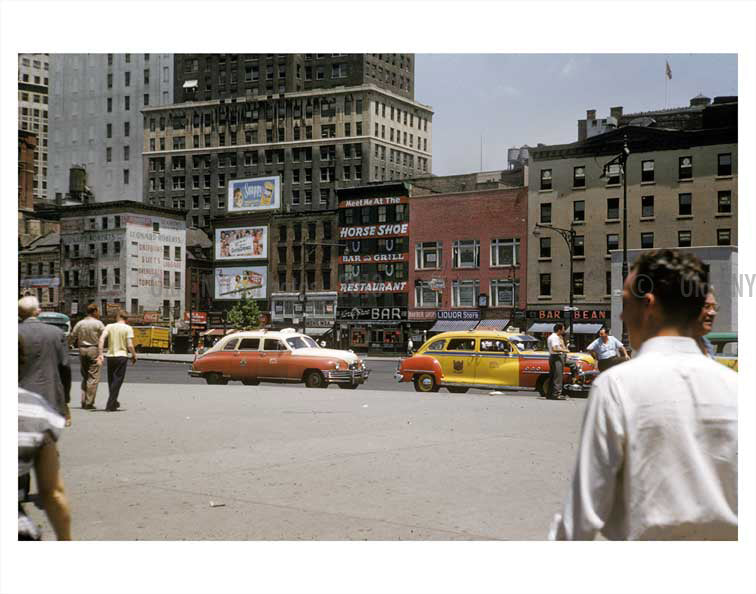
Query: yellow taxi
x=488, y=359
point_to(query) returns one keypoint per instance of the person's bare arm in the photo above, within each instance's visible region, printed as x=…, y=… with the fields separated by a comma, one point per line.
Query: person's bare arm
x=51, y=491
x=101, y=345
x=132, y=351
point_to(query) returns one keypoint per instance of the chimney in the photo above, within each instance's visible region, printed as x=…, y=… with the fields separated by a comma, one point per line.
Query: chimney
x=590, y=114
x=616, y=112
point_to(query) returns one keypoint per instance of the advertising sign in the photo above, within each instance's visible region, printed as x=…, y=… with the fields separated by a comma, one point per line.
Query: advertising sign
x=372, y=313
x=373, y=258
x=151, y=317
x=367, y=231
x=377, y=287
x=40, y=281
x=260, y=193
x=363, y=202
x=241, y=242
x=199, y=318
x=420, y=315
x=231, y=283
x=458, y=314
x=558, y=314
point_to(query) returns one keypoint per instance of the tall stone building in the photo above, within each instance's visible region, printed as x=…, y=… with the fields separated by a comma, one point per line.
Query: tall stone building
x=33, y=78
x=95, y=119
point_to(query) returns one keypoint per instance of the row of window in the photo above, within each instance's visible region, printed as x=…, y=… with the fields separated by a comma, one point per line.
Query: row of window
x=296, y=281
x=40, y=268
x=684, y=207
x=380, y=132
x=503, y=293
x=37, y=80
x=647, y=171
x=37, y=63
x=466, y=254
x=409, y=118
x=35, y=97
x=71, y=278
x=283, y=232
x=318, y=308
x=25, y=111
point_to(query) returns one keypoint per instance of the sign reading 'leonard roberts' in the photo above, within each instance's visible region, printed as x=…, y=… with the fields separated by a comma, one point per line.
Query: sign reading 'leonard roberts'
x=387, y=230
x=396, y=287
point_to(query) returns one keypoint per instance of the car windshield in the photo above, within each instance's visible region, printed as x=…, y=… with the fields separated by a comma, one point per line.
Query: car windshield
x=301, y=342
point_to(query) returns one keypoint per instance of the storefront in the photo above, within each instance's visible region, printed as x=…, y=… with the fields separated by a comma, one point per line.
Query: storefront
x=373, y=329
x=585, y=323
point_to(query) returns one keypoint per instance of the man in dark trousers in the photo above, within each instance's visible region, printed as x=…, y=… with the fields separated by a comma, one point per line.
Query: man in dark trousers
x=120, y=337
x=557, y=356
x=46, y=369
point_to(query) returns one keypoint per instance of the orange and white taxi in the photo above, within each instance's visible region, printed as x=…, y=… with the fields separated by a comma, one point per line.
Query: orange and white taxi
x=283, y=356
x=486, y=359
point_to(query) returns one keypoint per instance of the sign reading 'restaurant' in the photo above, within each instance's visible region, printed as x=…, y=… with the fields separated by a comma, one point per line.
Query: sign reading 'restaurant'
x=396, y=287
x=362, y=202
x=387, y=230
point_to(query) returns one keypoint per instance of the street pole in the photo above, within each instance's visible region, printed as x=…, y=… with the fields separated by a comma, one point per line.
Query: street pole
x=625, y=154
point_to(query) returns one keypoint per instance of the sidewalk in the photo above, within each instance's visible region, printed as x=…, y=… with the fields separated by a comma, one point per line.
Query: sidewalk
x=171, y=358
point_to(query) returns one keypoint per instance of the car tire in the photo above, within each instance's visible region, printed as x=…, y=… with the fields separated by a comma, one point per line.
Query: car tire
x=315, y=379
x=426, y=383
x=215, y=379
x=457, y=390
x=250, y=382
x=348, y=386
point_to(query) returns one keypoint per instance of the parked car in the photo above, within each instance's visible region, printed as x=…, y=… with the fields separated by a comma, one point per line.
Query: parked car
x=725, y=348
x=59, y=320
x=284, y=356
x=459, y=361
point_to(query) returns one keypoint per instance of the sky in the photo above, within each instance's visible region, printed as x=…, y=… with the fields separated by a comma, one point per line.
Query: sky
x=516, y=99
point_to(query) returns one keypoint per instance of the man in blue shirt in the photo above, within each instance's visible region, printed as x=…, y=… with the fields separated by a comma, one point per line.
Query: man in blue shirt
x=606, y=350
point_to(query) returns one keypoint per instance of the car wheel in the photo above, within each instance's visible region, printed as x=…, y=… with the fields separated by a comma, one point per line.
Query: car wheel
x=314, y=379
x=250, y=382
x=544, y=386
x=457, y=390
x=215, y=379
x=425, y=382
x=348, y=386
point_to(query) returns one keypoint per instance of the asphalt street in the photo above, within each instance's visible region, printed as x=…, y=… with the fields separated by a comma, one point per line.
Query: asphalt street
x=198, y=462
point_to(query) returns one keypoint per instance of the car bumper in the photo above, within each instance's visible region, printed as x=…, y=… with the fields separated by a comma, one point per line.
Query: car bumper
x=193, y=373
x=349, y=376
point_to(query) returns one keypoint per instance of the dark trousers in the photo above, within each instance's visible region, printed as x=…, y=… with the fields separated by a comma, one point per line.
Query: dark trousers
x=116, y=375
x=605, y=364
x=556, y=369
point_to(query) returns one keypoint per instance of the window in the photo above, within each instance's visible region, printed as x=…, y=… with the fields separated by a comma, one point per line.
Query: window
x=127, y=78
x=110, y=80
x=127, y=103
x=685, y=168
x=273, y=344
x=126, y=128
x=612, y=209
x=684, y=205
x=545, y=285
x=578, y=177
x=466, y=254
x=428, y=255
x=578, y=246
x=125, y=177
x=465, y=293
x=724, y=202
x=647, y=241
x=612, y=242
x=104, y=248
x=546, y=213
x=504, y=293
x=177, y=279
x=126, y=153
x=108, y=154
x=425, y=297
x=505, y=252
x=608, y=287
x=578, y=282
x=116, y=247
x=647, y=207
x=613, y=174
x=104, y=276
x=545, y=245
x=110, y=104
x=684, y=238
x=723, y=237
x=724, y=164
x=578, y=210
x=109, y=131
x=545, y=179
x=177, y=253
x=167, y=279
x=647, y=171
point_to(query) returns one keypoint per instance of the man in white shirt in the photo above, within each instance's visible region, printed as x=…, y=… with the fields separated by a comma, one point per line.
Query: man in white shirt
x=607, y=350
x=658, y=454
x=557, y=356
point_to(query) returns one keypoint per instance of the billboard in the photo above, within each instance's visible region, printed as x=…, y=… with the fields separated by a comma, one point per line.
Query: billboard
x=230, y=283
x=260, y=193
x=241, y=242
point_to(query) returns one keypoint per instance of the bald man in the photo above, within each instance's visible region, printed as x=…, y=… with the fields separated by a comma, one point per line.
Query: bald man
x=46, y=370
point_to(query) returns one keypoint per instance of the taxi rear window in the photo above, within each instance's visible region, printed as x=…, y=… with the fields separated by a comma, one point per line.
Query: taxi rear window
x=461, y=344
x=437, y=345
x=249, y=344
x=231, y=345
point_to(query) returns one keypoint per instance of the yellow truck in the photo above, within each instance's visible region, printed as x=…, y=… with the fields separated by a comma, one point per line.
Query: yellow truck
x=152, y=339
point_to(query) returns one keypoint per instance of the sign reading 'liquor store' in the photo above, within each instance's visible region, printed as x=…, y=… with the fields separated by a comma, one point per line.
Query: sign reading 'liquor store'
x=458, y=314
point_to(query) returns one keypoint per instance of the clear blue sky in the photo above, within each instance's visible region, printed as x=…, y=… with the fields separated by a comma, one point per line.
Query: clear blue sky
x=516, y=99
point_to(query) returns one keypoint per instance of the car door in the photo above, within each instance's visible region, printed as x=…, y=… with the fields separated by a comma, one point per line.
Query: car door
x=459, y=360
x=275, y=360
x=224, y=361
x=246, y=361
x=498, y=364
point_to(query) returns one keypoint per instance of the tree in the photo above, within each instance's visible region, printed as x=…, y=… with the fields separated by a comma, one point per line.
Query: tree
x=245, y=315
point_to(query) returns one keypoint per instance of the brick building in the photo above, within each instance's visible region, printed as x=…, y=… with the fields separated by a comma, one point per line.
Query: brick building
x=471, y=269
x=33, y=85
x=40, y=274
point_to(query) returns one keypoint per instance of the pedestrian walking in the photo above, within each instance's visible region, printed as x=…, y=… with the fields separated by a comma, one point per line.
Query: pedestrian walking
x=557, y=357
x=410, y=346
x=658, y=454
x=705, y=323
x=120, y=337
x=86, y=336
x=607, y=350
x=46, y=370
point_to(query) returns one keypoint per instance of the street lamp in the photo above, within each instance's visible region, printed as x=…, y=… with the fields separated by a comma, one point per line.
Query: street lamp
x=621, y=160
x=569, y=237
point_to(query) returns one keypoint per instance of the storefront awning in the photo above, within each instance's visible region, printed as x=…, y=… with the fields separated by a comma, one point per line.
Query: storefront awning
x=190, y=84
x=586, y=328
x=492, y=324
x=540, y=327
x=453, y=325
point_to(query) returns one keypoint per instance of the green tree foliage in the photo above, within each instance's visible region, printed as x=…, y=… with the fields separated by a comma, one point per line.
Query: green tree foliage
x=245, y=315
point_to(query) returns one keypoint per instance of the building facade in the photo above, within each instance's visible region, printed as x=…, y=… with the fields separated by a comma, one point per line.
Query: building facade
x=314, y=141
x=95, y=119
x=33, y=84
x=39, y=266
x=681, y=192
x=203, y=77
x=123, y=254
x=468, y=270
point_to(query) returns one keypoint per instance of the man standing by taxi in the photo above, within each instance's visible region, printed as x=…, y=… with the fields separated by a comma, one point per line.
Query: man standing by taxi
x=86, y=336
x=607, y=350
x=120, y=337
x=557, y=355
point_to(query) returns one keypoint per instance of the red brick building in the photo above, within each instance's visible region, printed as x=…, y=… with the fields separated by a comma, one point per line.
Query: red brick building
x=468, y=259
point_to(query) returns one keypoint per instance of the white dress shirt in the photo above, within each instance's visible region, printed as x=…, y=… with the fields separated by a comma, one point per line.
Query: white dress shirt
x=658, y=453
x=554, y=343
